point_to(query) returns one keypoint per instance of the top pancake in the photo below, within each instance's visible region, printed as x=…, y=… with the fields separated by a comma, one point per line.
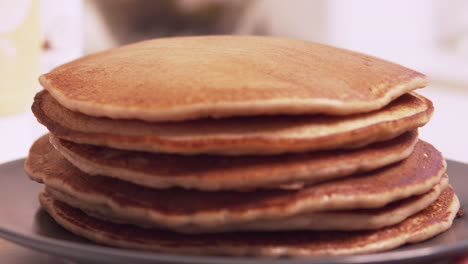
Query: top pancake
x=174, y=79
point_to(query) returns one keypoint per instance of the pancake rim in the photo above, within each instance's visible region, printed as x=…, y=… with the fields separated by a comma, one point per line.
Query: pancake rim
x=297, y=201
x=250, y=142
x=346, y=220
x=270, y=250
x=279, y=176
x=277, y=106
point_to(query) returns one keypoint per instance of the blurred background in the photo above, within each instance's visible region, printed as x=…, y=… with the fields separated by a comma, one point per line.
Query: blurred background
x=428, y=35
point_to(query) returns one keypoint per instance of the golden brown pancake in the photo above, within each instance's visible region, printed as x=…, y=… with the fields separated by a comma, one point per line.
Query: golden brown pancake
x=177, y=207
x=433, y=220
x=357, y=219
x=209, y=172
x=217, y=76
x=241, y=135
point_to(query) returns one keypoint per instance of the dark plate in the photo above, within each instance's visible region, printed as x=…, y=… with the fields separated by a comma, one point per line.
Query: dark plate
x=22, y=222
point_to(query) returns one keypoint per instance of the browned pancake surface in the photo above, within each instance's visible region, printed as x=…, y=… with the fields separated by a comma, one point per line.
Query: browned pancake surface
x=210, y=172
x=415, y=175
x=241, y=135
x=431, y=221
x=348, y=220
x=192, y=77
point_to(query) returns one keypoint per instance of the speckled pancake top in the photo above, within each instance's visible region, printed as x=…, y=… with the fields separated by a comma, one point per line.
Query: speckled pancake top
x=185, y=78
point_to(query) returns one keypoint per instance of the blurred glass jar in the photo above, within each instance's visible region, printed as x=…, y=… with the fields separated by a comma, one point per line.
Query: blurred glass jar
x=19, y=54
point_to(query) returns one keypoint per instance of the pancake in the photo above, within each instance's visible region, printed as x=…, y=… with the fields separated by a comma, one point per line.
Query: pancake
x=433, y=220
x=209, y=172
x=173, y=79
x=358, y=219
x=233, y=136
x=177, y=207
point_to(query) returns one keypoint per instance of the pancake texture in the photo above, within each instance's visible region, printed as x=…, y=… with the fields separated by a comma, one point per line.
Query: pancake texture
x=234, y=136
x=177, y=207
x=211, y=173
x=174, y=79
x=433, y=220
x=348, y=220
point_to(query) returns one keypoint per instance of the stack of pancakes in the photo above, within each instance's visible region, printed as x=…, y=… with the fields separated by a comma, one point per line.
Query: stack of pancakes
x=239, y=146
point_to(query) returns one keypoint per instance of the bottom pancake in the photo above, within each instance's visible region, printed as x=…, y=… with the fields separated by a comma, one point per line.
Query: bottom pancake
x=433, y=220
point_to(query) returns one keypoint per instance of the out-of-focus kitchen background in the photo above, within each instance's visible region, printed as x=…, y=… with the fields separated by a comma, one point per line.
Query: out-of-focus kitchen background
x=428, y=35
